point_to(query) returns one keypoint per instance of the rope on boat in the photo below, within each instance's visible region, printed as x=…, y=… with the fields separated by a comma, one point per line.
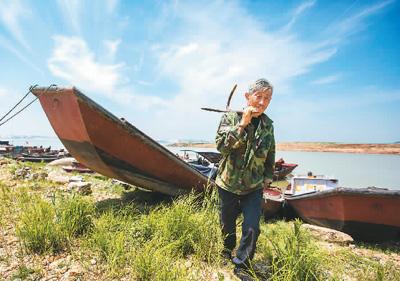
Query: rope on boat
x=29, y=91
x=18, y=112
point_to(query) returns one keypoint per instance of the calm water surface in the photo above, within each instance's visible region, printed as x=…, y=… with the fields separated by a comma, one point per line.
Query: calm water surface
x=352, y=170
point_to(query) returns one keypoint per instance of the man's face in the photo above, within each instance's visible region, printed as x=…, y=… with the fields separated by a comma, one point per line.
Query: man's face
x=259, y=100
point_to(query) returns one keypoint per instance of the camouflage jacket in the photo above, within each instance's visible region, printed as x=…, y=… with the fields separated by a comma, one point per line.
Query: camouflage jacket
x=248, y=158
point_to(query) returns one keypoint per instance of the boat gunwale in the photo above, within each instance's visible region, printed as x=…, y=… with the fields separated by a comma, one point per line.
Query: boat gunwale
x=370, y=192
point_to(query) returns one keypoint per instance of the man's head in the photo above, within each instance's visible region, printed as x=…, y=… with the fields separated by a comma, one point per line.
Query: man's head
x=259, y=95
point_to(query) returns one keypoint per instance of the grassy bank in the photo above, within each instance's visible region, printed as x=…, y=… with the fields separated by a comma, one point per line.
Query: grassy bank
x=49, y=232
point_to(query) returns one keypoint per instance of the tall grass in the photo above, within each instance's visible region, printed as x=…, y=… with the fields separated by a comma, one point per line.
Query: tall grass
x=186, y=227
x=291, y=253
x=111, y=241
x=75, y=215
x=153, y=245
x=37, y=228
x=153, y=262
x=43, y=226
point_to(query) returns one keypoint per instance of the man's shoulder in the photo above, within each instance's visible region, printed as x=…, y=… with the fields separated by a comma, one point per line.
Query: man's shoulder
x=230, y=115
x=267, y=120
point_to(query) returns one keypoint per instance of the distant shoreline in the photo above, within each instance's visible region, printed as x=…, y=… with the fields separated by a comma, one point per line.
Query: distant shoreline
x=363, y=148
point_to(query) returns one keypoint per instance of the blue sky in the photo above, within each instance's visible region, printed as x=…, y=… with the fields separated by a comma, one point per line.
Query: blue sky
x=335, y=65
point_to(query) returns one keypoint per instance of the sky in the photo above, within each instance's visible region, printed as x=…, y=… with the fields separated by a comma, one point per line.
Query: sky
x=335, y=65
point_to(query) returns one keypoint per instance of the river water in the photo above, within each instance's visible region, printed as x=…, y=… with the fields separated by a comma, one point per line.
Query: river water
x=351, y=169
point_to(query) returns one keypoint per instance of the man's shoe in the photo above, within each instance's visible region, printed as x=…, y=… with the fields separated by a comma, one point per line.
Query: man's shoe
x=240, y=263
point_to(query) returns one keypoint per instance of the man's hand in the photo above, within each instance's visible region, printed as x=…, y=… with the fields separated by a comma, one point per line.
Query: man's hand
x=267, y=183
x=248, y=113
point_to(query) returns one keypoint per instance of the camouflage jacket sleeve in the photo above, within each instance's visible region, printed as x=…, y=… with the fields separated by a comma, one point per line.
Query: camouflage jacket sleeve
x=228, y=137
x=269, y=164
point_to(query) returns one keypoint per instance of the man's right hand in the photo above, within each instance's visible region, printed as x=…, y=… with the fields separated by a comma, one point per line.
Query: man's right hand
x=248, y=113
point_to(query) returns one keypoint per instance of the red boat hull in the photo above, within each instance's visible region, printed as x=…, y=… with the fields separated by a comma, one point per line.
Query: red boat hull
x=113, y=147
x=272, y=202
x=365, y=214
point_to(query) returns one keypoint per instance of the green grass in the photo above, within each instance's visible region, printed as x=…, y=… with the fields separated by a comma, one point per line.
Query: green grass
x=43, y=226
x=37, y=228
x=289, y=253
x=146, y=236
x=23, y=272
x=75, y=215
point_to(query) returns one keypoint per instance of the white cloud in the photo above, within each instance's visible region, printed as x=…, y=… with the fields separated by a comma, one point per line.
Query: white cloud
x=215, y=47
x=112, y=47
x=222, y=44
x=3, y=93
x=71, y=11
x=326, y=80
x=218, y=46
x=6, y=44
x=11, y=14
x=354, y=23
x=298, y=12
x=73, y=61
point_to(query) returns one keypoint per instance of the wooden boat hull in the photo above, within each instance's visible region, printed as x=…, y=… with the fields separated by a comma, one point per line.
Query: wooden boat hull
x=272, y=202
x=112, y=147
x=365, y=214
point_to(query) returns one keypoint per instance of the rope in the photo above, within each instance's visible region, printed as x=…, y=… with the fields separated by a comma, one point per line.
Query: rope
x=30, y=91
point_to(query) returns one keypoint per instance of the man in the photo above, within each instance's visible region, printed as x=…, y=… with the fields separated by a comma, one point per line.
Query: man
x=247, y=144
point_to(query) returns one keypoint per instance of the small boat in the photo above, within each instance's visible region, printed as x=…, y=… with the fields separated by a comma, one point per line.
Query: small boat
x=37, y=158
x=113, y=147
x=206, y=158
x=283, y=169
x=367, y=214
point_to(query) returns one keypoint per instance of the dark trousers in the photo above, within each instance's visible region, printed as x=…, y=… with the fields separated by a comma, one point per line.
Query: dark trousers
x=231, y=205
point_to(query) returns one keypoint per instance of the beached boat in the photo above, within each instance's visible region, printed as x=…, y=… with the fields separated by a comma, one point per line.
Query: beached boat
x=113, y=147
x=37, y=158
x=368, y=214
